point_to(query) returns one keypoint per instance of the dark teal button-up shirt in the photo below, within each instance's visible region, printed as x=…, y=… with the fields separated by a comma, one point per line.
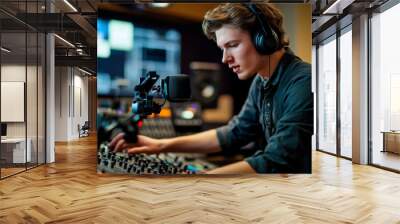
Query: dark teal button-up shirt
x=279, y=112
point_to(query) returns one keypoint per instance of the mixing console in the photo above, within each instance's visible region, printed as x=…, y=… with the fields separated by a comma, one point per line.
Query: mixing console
x=161, y=164
x=158, y=128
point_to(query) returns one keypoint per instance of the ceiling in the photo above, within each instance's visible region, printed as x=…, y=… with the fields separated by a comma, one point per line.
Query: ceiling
x=77, y=25
x=331, y=15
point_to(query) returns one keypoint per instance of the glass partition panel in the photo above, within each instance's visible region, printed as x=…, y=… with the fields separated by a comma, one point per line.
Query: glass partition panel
x=385, y=89
x=22, y=64
x=327, y=96
x=14, y=151
x=346, y=94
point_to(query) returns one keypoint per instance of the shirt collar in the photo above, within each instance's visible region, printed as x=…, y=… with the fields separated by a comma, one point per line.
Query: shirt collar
x=276, y=76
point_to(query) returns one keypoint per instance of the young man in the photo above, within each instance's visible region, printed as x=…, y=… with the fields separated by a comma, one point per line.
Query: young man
x=278, y=109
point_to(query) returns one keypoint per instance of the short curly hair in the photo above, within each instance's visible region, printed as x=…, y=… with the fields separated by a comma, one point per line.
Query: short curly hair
x=238, y=15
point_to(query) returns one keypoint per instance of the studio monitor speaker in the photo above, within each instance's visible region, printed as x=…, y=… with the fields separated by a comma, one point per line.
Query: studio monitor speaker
x=205, y=83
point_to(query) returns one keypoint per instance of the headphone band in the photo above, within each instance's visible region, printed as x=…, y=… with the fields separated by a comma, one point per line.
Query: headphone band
x=265, y=27
x=256, y=12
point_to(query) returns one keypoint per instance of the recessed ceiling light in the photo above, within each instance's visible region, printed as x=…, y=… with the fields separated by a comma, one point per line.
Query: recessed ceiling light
x=65, y=41
x=84, y=71
x=337, y=7
x=70, y=5
x=5, y=50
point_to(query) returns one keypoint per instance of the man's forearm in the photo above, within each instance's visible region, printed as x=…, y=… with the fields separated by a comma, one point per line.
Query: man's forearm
x=204, y=142
x=234, y=168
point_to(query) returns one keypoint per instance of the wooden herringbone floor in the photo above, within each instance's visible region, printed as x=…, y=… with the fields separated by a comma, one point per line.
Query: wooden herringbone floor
x=70, y=191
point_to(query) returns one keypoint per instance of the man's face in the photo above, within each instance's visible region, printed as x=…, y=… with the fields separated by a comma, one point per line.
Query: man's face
x=238, y=51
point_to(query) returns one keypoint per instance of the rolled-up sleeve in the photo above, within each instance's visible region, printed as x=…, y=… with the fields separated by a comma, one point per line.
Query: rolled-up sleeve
x=289, y=148
x=242, y=128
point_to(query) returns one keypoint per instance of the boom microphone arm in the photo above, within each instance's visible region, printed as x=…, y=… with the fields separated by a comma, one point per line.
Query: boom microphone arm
x=173, y=88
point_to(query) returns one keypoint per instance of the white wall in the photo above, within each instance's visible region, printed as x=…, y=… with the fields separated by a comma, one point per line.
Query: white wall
x=12, y=73
x=61, y=103
x=71, y=102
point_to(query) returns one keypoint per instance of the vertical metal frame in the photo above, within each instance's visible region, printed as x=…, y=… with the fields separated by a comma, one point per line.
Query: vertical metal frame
x=317, y=97
x=37, y=91
x=45, y=88
x=338, y=98
x=26, y=86
x=369, y=78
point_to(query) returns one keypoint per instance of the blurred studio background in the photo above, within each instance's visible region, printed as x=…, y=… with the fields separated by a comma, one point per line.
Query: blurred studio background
x=165, y=37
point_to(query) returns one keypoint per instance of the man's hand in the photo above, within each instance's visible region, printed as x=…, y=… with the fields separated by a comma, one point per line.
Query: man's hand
x=234, y=168
x=204, y=142
x=143, y=145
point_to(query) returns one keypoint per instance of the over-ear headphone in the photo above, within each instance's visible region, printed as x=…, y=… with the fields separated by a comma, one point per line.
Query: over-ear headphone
x=264, y=38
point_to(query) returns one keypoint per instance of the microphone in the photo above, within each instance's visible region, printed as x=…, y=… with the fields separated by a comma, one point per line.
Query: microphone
x=178, y=88
x=174, y=88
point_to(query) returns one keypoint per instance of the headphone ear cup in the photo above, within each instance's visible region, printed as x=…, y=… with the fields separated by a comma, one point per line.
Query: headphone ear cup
x=272, y=41
x=261, y=44
x=265, y=45
x=258, y=42
x=265, y=39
